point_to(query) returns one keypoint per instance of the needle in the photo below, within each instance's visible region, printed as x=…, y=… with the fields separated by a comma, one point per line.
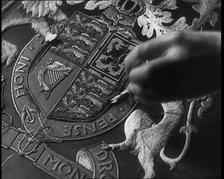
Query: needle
x=119, y=96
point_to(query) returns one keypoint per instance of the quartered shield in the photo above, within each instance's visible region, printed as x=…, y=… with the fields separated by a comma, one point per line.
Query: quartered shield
x=62, y=91
x=57, y=103
x=66, y=90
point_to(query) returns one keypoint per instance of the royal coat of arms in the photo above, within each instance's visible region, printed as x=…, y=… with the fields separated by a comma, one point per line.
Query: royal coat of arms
x=68, y=87
x=74, y=79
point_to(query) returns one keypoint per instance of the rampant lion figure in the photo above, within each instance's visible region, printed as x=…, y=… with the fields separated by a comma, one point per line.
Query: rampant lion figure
x=146, y=138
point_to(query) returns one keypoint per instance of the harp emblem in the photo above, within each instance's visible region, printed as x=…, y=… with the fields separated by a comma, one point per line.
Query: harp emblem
x=51, y=75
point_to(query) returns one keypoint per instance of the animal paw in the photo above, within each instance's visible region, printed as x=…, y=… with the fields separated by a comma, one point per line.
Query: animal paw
x=150, y=174
x=50, y=37
x=106, y=147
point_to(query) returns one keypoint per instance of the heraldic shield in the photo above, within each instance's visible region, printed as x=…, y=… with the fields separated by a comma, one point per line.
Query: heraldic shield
x=70, y=85
x=66, y=110
x=62, y=91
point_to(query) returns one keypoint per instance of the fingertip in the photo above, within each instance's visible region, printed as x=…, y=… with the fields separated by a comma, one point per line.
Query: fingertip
x=130, y=61
x=141, y=74
x=134, y=58
x=134, y=89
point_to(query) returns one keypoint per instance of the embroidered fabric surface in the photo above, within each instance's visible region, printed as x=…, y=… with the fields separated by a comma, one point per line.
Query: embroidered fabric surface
x=60, y=107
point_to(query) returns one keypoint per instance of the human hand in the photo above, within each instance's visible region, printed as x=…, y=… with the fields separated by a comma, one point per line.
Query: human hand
x=175, y=66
